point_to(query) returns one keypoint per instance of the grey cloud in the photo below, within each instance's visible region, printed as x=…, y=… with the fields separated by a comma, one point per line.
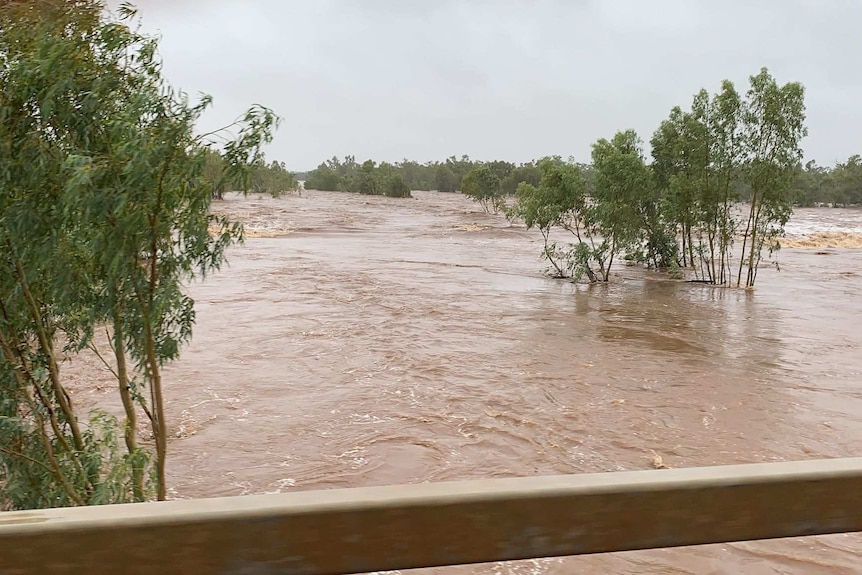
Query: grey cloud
x=389, y=79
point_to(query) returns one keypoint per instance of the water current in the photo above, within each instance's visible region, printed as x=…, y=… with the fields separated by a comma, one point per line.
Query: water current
x=357, y=341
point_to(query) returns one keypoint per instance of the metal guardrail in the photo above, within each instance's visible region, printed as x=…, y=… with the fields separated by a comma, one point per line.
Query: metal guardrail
x=344, y=531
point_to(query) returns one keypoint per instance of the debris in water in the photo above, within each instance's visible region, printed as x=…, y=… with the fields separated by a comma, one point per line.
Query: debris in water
x=657, y=461
x=470, y=228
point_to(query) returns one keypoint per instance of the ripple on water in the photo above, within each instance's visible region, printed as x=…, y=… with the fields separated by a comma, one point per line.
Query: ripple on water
x=421, y=343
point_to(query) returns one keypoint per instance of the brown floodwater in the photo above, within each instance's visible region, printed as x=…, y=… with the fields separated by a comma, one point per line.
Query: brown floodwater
x=379, y=341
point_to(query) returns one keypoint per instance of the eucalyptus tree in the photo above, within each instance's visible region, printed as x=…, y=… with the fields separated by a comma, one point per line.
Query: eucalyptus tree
x=773, y=125
x=483, y=186
x=272, y=178
x=444, y=179
x=528, y=172
x=843, y=183
x=383, y=180
x=710, y=145
x=325, y=178
x=559, y=201
x=390, y=183
x=623, y=195
x=104, y=217
x=672, y=174
x=701, y=156
x=726, y=152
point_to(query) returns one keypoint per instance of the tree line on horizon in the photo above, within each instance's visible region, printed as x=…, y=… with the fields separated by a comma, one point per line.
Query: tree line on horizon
x=839, y=185
x=339, y=175
x=812, y=184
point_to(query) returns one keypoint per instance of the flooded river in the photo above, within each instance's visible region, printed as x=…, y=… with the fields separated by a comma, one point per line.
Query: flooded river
x=380, y=341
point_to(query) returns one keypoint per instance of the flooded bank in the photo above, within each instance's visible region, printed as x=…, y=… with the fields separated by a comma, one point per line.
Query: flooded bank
x=380, y=341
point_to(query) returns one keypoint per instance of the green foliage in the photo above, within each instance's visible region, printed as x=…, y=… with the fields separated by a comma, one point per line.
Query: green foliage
x=444, y=180
x=696, y=156
x=528, y=173
x=104, y=218
x=772, y=128
x=626, y=206
x=272, y=178
x=262, y=178
x=560, y=201
x=446, y=176
x=678, y=213
x=213, y=172
x=374, y=180
x=367, y=178
x=390, y=183
x=483, y=186
x=841, y=185
x=324, y=178
x=500, y=169
x=460, y=167
x=364, y=180
x=726, y=149
x=623, y=194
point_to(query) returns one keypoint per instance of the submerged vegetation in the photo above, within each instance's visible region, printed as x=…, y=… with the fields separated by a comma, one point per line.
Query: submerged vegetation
x=840, y=185
x=336, y=175
x=262, y=178
x=681, y=211
x=366, y=178
x=104, y=218
x=715, y=195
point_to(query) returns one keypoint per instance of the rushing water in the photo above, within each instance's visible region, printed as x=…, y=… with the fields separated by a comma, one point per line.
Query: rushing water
x=382, y=341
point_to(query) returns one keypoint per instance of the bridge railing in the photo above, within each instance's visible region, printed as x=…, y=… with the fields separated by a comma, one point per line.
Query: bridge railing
x=341, y=531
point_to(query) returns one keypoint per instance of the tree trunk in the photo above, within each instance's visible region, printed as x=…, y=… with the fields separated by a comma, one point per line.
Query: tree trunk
x=684, y=254
x=745, y=239
x=131, y=423
x=160, y=428
x=690, y=247
x=756, y=244
x=607, y=272
x=53, y=368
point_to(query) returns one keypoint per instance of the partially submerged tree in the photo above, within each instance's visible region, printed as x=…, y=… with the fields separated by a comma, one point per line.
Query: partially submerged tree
x=483, y=186
x=214, y=173
x=528, y=173
x=446, y=176
x=273, y=178
x=695, y=159
x=367, y=178
x=702, y=156
x=559, y=201
x=373, y=180
x=624, y=203
x=772, y=129
x=324, y=178
x=390, y=183
x=104, y=218
x=445, y=180
x=679, y=212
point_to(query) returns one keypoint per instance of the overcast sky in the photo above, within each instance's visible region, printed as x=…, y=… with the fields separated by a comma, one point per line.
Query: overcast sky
x=512, y=80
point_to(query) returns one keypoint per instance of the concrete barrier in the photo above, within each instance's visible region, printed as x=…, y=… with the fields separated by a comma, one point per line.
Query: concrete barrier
x=344, y=531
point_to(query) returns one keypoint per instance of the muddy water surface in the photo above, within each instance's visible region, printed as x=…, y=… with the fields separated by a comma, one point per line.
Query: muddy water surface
x=382, y=341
